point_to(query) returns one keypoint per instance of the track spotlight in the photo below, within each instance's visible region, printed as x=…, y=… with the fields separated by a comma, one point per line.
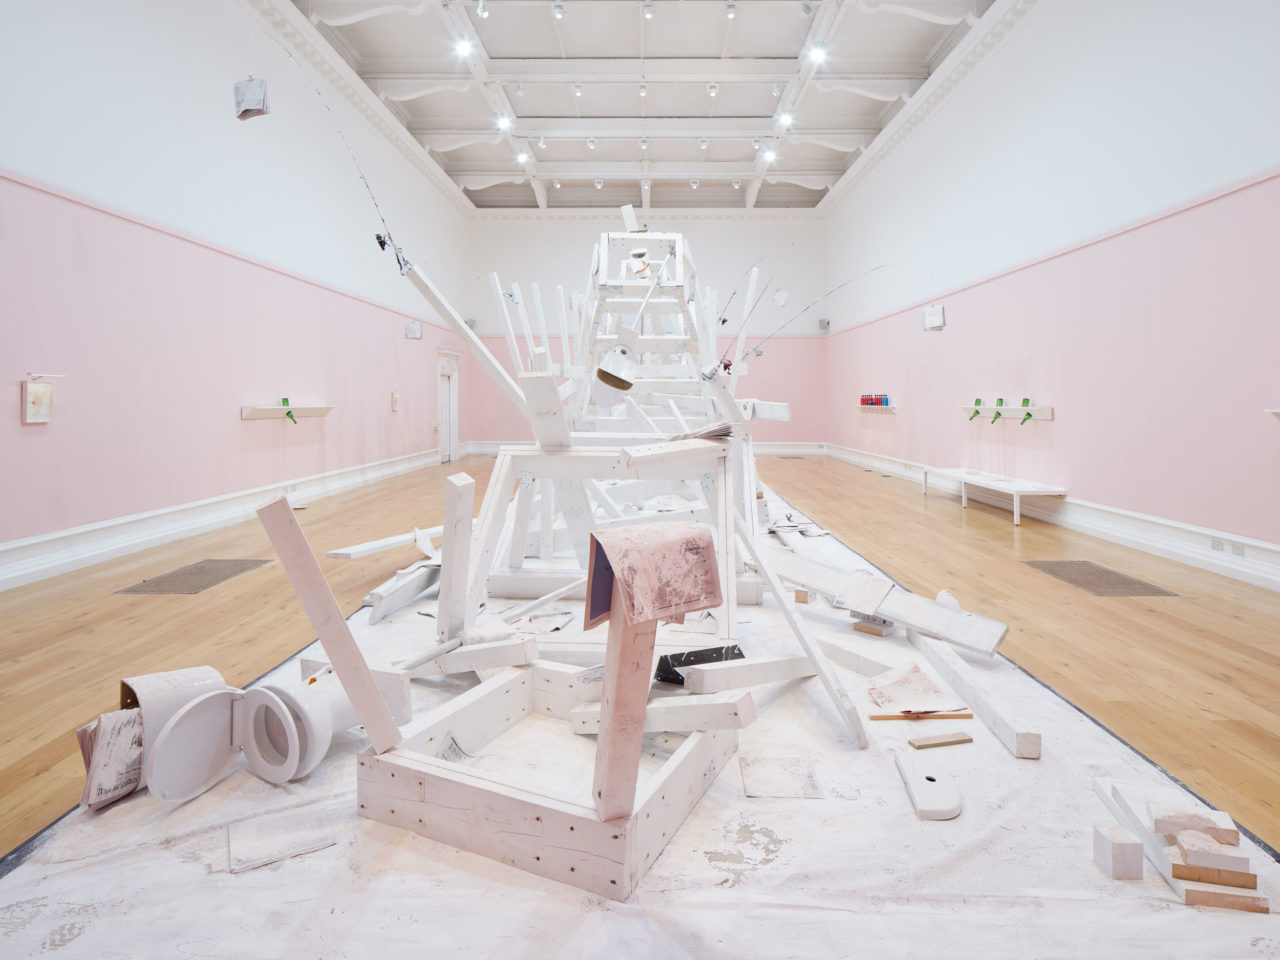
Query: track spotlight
x=557, y=10
x=519, y=89
x=542, y=143
x=713, y=89
x=522, y=158
x=591, y=143
x=556, y=183
x=644, y=143
x=755, y=143
x=482, y=11
x=644, y=89
x=785, y=119
x=703, y=143
x=777, y=89
x=693, y=184
x=730, y=10
x=599, y=184
x=644, y=184
x=503, y=122
x=817, y=55
x=648, y=11
x=770, y=156
x=806, y=10
x=577, y=89
x=737, y=184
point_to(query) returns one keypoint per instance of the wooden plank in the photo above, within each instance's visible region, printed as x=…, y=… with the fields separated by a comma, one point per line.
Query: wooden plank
x=373, y=546
x=545, y=412
x=628, y=667
x=1168, y=819
x=714, y=711
x=1227, y=878
x=488, y=529
x=559, y=687
x=851, y=659
x=474, y=343
x=932, y=619
x=480, y=656
x=1011, y=730
x=473, y=718
x=1201, y=850
x=735, y=674
x=331, y=627
x=955, y=715
x=839, y=696
x=520, y=528
x=939, y=740
x=453, y=611
x=537, y=834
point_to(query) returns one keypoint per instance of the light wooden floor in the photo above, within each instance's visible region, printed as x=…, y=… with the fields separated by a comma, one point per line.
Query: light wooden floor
x=1192, y=681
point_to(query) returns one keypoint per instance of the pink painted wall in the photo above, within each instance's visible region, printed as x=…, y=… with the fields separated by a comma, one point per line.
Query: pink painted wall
x=162, y=339
x=1157, y=346
x=792, y=370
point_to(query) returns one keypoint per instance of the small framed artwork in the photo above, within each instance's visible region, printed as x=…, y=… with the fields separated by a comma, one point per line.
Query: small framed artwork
x=37, y=401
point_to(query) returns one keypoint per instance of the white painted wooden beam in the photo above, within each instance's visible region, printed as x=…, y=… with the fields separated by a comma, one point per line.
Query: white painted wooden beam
x=341, y=13
x=715, y=711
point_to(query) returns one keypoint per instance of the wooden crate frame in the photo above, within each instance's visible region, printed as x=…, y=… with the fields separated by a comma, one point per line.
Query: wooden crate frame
x=413, y=787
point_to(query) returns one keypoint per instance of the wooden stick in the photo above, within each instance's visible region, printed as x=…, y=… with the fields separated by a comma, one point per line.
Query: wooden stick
x=331, y=627
x=628, y=664
x=459, y=501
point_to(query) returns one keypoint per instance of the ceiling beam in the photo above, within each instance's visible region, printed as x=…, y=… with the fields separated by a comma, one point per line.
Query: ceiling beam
x=456, y=20
x=825, y=20
x=872, y=86
x=626, y=128
x=677, y=70
x=645, y=169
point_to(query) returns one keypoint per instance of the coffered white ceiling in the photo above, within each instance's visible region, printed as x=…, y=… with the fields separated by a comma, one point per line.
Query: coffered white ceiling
x=669, y=103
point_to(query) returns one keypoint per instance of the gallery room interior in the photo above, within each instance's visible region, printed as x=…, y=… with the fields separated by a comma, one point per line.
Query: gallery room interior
x=667, y=477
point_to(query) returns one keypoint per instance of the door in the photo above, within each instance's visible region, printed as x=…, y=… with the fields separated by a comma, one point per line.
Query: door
x=448, y=406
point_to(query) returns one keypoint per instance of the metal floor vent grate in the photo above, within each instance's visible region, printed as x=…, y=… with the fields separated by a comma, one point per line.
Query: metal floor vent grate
x=195, y=577
x=1098, y=580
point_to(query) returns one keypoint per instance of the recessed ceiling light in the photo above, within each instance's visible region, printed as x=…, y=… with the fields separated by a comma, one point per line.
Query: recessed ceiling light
x=703, y=143
x=755, y=143
x=770, y=156
x=777, y=89
x=644, y=184
x=644, y=143
x=591, y=143
x=462, y=48
x=482, y=11
x=731, y=10
x=737, y=184
x=522, y=157
x=785, y=119
x=542, y=143
x=503, y=122
x=644, y=89
x=556, y=183
x=817, y=54
x=577, y=89
x=557, y=11
x=599, y=184
x=648, y=11
x=693, y=184
x=713, y=89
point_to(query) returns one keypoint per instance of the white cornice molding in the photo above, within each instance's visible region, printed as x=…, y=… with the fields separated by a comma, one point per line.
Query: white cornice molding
x=297, y=33
x=654, y=214
x=989, y=33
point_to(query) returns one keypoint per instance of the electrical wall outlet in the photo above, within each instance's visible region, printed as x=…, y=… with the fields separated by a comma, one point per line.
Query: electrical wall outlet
x=1216, y=545
x=413, y=330
x=395, y=400
x=1237, y=549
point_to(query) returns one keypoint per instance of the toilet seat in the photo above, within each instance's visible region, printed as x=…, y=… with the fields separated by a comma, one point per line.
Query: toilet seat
x=202, y=741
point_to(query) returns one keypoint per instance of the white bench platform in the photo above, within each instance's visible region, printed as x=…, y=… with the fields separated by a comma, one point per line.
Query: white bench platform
x=990, y=481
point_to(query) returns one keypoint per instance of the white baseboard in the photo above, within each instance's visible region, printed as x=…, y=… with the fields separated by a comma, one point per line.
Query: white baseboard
x=789, y=449
x=1241, y=558
x=47, y=555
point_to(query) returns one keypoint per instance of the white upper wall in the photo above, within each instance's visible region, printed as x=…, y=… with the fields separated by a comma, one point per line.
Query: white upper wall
x=788, y=251
x=129, y=104
x=1090, y=115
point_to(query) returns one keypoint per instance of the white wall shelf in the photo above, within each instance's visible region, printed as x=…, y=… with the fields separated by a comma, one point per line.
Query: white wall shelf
x=1274, y=413
x=888, y=408
x=1009, y=411
x=279, y=412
